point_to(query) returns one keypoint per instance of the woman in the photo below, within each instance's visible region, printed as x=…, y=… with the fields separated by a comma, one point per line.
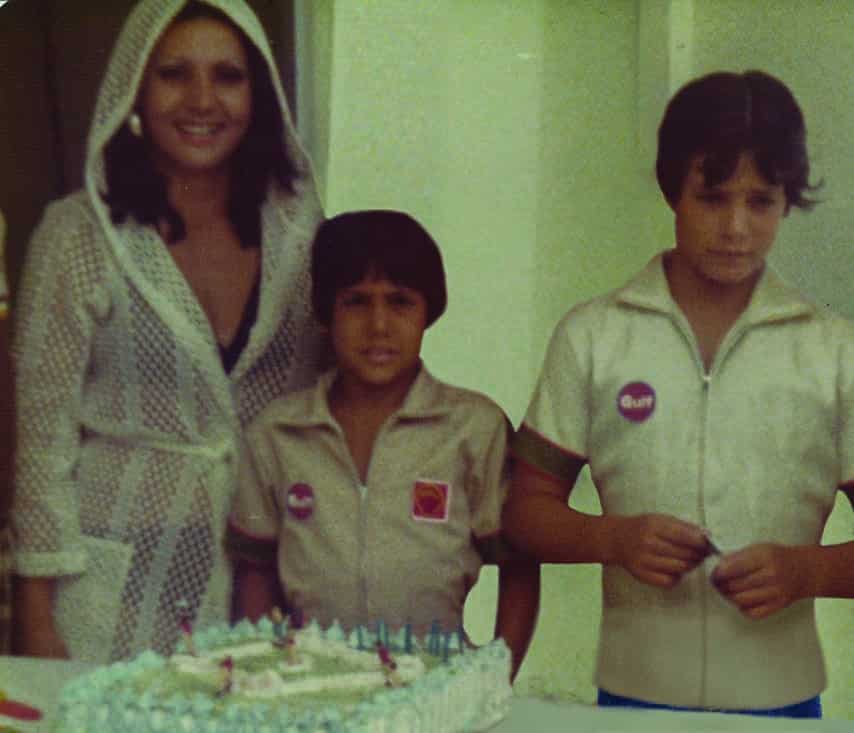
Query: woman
x=160, y=309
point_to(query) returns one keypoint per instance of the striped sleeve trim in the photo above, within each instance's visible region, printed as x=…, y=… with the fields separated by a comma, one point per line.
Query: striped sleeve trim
x=257, y=550
x=541, y=453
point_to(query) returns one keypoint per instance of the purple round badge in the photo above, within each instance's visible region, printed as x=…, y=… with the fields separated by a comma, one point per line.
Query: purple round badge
x=636, y=401
x=300, y=501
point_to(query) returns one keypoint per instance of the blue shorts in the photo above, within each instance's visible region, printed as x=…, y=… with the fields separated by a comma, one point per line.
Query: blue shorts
x=807, y=709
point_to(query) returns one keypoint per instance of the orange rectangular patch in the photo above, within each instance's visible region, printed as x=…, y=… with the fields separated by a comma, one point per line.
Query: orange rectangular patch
x=431, y=501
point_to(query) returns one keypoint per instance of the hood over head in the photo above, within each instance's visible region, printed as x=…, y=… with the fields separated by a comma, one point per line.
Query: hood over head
x=289, y=216
x=122, y=79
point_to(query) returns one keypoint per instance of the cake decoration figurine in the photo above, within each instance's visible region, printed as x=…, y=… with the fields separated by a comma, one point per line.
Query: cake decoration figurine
x=434, y=639
x=389, y=666
x=461, y=639
x=279, y=637
x=295, y=624
x=382, y=633
x=226, y=679
x=186, y=625
x=446, y=645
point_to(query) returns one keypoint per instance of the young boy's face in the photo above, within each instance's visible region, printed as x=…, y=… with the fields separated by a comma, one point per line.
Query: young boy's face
x=724, y=232
x=376, y=328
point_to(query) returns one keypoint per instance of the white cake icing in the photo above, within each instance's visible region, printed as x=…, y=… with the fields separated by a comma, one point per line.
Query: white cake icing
x=334, y=687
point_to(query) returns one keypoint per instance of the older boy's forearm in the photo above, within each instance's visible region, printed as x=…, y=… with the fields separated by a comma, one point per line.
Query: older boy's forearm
x=830, y=570
x=553, y=532
x=518, y=605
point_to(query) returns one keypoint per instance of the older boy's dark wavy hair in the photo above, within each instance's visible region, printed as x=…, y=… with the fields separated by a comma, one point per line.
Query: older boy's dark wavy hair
x=135, y=188
x=387, y=244
x=722, y=115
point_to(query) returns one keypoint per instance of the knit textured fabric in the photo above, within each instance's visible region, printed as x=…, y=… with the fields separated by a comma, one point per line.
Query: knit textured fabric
x=129, y=427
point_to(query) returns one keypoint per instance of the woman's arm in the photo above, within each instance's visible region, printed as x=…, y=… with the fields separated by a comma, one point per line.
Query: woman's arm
x=54, y=330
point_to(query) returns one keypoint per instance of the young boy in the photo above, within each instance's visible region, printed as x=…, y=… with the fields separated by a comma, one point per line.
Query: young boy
x=377, y=494
x=714, y=405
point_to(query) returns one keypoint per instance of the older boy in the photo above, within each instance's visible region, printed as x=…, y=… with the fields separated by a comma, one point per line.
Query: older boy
x=713, y=404
x=378, y=493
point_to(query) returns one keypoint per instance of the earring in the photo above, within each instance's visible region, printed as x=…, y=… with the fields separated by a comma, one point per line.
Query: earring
x=135, y=124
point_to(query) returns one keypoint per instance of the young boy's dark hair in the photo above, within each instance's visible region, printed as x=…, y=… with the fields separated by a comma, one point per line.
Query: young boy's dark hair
x=382, y=243
x=724, y=114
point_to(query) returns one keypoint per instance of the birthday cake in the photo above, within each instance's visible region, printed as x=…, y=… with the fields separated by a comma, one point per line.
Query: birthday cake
x=266, y=678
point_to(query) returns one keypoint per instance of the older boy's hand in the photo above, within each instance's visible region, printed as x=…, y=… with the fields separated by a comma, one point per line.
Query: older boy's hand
x=658, y=549
x=762, y=579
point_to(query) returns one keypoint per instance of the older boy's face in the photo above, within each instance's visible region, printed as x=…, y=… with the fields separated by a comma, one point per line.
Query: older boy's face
x=377, y=327
x=724, y=232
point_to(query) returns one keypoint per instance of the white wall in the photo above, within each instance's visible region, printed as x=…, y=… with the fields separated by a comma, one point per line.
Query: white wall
x=435, y=110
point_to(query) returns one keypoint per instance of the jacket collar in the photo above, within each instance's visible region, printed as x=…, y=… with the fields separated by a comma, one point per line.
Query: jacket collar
x=773, y=299
x=425, y=399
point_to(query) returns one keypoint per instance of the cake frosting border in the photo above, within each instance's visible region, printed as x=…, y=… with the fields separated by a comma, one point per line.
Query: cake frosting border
x=469, y=692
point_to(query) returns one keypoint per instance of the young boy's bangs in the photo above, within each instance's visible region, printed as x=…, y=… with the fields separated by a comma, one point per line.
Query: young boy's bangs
x=373, y=260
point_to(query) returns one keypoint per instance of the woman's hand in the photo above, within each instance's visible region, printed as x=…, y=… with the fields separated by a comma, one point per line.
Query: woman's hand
x=763, y=579
x=42, y=642
x=35, y=634
x=658, y=549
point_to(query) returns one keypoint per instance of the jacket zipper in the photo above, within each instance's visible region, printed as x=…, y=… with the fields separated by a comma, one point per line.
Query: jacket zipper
x=701, y=476
x=362, y=488
x=724, y=348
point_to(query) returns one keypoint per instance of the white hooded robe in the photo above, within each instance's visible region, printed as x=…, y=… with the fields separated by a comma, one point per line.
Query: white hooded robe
x=129, y=427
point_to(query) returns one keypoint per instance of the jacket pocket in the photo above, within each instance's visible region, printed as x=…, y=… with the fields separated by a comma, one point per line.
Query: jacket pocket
x=87, y=606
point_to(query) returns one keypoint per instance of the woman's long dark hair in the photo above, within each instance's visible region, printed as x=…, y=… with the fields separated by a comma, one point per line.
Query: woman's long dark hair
x=136, y=189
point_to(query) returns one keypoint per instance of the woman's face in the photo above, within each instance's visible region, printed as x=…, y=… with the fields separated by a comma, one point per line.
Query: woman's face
x=196, y=98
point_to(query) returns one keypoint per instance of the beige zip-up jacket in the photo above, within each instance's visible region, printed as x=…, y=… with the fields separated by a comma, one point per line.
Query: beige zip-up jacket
x=754, y=450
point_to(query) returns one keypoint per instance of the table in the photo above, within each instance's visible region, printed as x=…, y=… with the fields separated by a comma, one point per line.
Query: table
x=38, y=682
